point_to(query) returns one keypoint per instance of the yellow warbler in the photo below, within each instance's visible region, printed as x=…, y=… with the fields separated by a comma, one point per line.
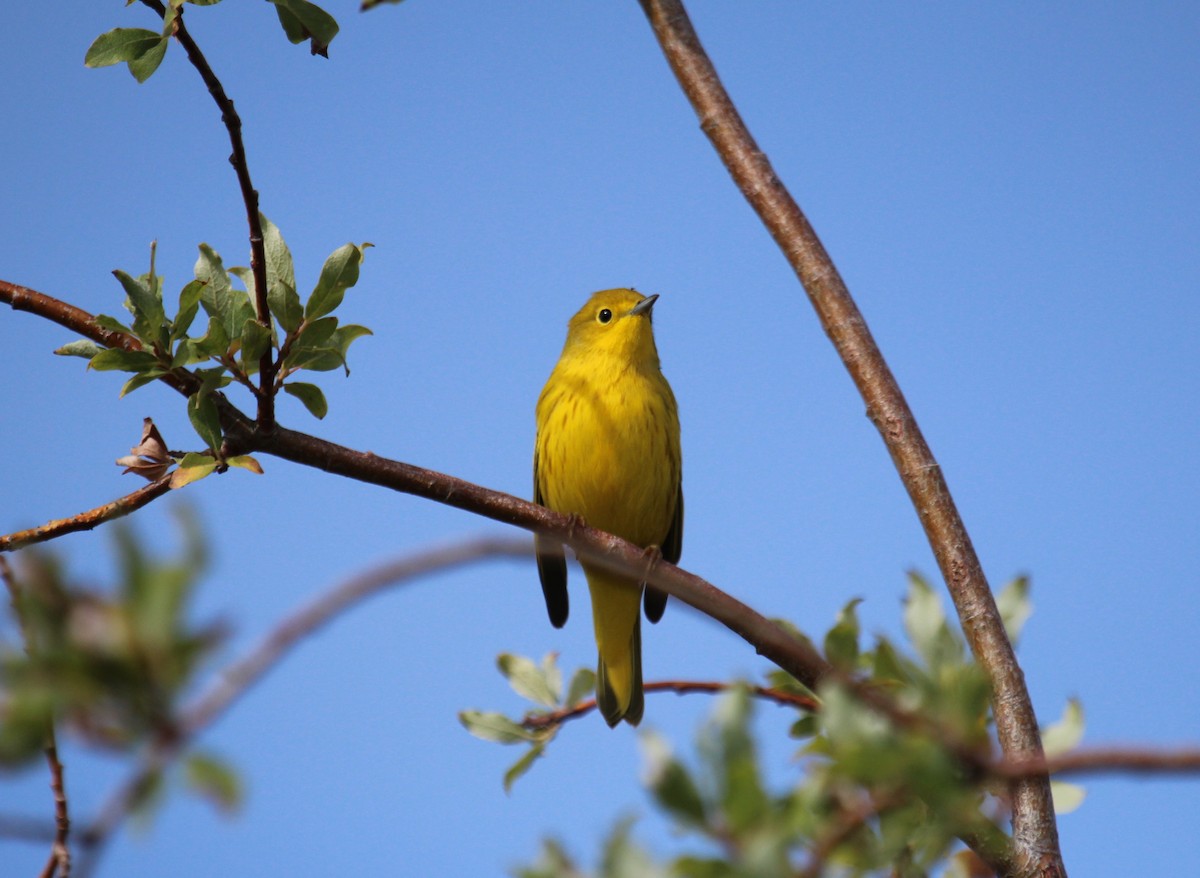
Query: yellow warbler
x=608, y=451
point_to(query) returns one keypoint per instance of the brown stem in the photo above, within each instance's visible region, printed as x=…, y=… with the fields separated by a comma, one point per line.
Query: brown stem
x=86, y=520
x=1035, y=834
x=241, y=167
x=679, y=687
x=1108, y=760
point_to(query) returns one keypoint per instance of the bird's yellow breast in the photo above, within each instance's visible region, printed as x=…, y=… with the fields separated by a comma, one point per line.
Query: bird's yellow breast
x=608, y=446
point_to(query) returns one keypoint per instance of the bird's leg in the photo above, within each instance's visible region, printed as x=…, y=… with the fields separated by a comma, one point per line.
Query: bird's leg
x=651, y=555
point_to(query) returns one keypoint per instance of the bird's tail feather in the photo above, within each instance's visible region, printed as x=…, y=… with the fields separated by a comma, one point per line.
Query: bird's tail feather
x=616, y=616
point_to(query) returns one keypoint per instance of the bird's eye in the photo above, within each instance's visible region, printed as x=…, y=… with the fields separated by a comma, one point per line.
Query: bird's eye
x=604, y=316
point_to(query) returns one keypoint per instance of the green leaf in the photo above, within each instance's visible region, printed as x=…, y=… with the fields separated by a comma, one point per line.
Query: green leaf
x=925, y=622
x=143, y=66
x=332, y=354
x=214, y=342
x=144, y=301
x=310, y=395
x=583, y=682
x=214, y=779
x=371, y=4
x=285, y=305
x=522, y=765
x=256, y=341
x=841, y=643
x=1064, y=735
x=302, y=21
x=494, y=727
x=1014, y=606
x=669, y=781
x=119, y=359
x=202, y=412
x=112, y=324
x=121, y=44
x=527, y=679
x=192, y=468
x=189, y=305
x=80, y=348
x=339, y=273
x=280, y=268
x=141, y=380
x=232, y=307
x=1067, y=796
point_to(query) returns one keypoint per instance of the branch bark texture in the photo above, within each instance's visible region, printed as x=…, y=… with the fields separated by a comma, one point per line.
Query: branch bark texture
x=1035, y=834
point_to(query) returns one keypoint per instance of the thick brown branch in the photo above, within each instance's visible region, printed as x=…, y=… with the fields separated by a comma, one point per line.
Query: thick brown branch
x=86, y=520
x=258, y=256
x=1034, y=829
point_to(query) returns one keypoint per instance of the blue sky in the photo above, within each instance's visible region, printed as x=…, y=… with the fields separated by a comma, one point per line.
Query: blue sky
x=1010, y=193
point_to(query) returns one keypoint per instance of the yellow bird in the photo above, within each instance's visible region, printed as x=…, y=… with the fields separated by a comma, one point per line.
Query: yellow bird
x=608, y=451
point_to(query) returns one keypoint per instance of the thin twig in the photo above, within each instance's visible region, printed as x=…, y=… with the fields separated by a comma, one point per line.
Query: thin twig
x=59, y=861
x=241, y=167
x=850, y=820
x=679, y=687
x=60, y=854
x=86, y=520
x=237, y=678
x=1034, y=831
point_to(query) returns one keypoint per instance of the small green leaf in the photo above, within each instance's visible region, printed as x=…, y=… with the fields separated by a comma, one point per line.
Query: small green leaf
x=192, y=468
x=112, y=324
x=214, y=779
x=189, y=305
x=120, y=44
x=1063, y=736
x=841, y=643
x=219, y=297
x=522, y=765
x=245, y=461
x=1014, y=606
x=310, y=395
x=280, y=268
x=80, y=348
x=202, y=412
x=339, y=273
x=119, y=359
x=302, y=21
x=494, y=727
x=1067, y=796
x=670, y=782
x=583, y=682
x=285, y=305
x=214, y=342
x=143, y=66
x=144, y=301
x=141, y=380
x=527, y=679
x=805, y=727
x=256, y=341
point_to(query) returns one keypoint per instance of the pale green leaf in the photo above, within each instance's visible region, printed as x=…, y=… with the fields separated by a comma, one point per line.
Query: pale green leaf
x=310, y=395
x=494, y=727
x=527, y=679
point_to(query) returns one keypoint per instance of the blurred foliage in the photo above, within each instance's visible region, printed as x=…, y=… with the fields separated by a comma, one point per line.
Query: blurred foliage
x=869, y=796
x=109, y=665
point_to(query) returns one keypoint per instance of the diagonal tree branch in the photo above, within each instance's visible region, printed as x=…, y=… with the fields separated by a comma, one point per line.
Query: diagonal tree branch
x=86, y=520
x=241, y=167
x=1035, y=834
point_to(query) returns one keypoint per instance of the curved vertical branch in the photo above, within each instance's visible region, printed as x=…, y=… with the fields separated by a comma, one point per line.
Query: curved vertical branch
x=241, y=167
x=1035, y=835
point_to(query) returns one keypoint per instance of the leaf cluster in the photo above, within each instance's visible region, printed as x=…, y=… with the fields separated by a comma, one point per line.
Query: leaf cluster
x=872, y=793
x=143, y=50
x=298, y=336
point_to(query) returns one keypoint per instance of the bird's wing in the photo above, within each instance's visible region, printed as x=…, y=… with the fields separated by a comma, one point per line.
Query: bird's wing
x=551, y=563
x=672, y=548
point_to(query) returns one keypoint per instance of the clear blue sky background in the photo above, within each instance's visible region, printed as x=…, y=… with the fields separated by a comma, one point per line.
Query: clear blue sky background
x=1011, y=194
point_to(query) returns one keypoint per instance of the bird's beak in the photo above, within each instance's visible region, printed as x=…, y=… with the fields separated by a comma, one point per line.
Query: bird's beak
x=644, y=306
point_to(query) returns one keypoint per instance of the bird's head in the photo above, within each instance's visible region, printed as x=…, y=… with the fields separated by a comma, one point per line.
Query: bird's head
x=614, y=324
